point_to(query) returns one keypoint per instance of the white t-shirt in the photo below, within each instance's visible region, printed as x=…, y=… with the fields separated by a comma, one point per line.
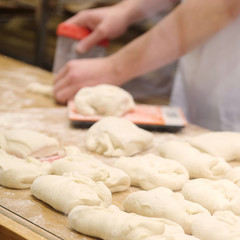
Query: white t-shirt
x=207, y=82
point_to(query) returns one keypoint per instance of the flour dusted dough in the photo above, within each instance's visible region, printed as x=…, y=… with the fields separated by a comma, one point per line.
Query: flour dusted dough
x=222, y=225
x=219, y=144
x=151, y=171
x=103, y=100
x=217, y=195
x=24, y=142
x=111, y=223
x=40, y=88
x=65, y=192
x=198, y=164
x=115, y=179
x=164, y=203
x=114, y=136
x=20, y=173
x=234, y=175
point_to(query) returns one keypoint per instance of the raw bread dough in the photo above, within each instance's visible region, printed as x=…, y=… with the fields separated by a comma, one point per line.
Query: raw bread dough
x=219, y=144
x=115, y=179
x=40, y=88
x=103, y=100
x=234, y=175
x=20, y=173
x=217, y=195
x=112, y=223
x=114, y=136
x=65, y=192
x=198, y=164
x=151, y=171
x=222, y=225
x=24, y=142
x=163, y=203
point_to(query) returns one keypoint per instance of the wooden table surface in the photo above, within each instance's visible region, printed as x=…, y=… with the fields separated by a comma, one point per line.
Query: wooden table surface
x=21, y=215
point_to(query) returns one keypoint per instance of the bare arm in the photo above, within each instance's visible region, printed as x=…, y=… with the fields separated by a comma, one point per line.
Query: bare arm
x=187, y=26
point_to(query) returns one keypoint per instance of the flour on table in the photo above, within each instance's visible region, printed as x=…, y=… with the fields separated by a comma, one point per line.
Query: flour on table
x=164, y=203
x=198, y=164
x=214, y=195
x=115, y=136
x=20, y=173
x=219, y=144
x=115, y=179
x=103, y=100
x=112, y=223
x=65, y=192
x=151, y=171
x=24, y=142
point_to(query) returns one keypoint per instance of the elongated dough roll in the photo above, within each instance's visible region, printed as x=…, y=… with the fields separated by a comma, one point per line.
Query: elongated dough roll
x=151, y=171
x=219, y=144
x=115, y=179
x=198, y=164
x=24, y=142
x=234, y=175
x=217, y=195
x=20, y=173
x=114, y=136
x=64, y=192
x=164, y=203
x=222, y=225
x=111, y=223
x=103, y=100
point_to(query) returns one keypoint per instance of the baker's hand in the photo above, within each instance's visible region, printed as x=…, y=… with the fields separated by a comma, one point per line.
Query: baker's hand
x=105, y=23
x=81, y=73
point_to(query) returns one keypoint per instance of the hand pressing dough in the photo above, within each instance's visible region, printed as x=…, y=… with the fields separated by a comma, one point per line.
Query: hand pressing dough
x=219, y=144
x=112, y=223
x=164, y=203
x=115, y=179
x=23, y=143
x=103, y=100
x=40, y=88
x=217, y=195
x=151, y=171
x=64, y=193
x=234, y=175
x=114, y=136
x=222, y=225
x=198, y=164
x=20, y=173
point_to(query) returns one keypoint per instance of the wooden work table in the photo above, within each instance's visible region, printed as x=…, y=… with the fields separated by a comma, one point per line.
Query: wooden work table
x=21, y=215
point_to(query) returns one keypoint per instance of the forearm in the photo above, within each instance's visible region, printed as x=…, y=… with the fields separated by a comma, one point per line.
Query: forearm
x=187, y=26
x=139, y=9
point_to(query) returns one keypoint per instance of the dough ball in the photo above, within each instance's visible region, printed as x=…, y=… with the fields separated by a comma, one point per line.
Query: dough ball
x=151, y=171
x=20, y=173
x=163, y=203
x=198, y=164
x=64, y=193
x=115, y=136
x=217, y=195
x=24, y=142
x=219, y=144
x=103, y=100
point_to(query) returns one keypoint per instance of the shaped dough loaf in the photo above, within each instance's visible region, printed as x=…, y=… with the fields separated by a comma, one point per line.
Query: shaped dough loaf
x=103, y=100
x=222, y=225
x=151, y=171
x=111, y=223
x=20, y=173
x=64, y=192
x=114, y=136
x=115, y=179
x=217, y=195
x=23, y=143
x=219, y=144
x=234, y=175
x=164, y=203
x=198, y=164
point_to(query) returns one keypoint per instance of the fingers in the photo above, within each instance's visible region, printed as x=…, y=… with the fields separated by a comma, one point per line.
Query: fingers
x=65, y=94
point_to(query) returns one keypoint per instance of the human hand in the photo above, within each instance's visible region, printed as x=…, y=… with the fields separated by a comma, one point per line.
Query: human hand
x=81, y=73
x=105, y=23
